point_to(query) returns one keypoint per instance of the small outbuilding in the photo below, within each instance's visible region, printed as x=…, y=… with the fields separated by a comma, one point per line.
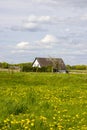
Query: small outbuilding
x=57, y=64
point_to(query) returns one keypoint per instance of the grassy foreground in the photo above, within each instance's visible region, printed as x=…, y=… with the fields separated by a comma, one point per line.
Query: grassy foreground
x=43, y=101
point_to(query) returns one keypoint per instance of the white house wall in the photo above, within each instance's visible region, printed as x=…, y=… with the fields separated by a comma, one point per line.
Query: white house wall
x=36, y=64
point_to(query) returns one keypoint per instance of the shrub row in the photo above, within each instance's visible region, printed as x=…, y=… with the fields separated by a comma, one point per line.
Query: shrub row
x=27, y=68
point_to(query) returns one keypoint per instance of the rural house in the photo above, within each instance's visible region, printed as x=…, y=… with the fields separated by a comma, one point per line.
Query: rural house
x=57, y=64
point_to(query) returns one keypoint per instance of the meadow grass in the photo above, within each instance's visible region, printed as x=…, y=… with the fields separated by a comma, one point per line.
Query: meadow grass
x=43, y=101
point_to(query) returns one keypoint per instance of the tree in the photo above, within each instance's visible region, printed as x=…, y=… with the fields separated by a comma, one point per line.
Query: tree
x=5, y=65
x=26, y=67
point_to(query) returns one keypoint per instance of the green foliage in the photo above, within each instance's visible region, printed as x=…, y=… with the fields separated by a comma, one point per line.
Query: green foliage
x=43, y=101
x=0, y=65
x=68, y=67
x=4, y=65
x=26, y=67
x=42, y=69
x=80, y=67
x=76, y=67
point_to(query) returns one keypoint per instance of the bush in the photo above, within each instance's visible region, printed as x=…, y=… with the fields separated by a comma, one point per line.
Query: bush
x=76, y=67
x=42, y=69
x=4, y=65
x=27, y=67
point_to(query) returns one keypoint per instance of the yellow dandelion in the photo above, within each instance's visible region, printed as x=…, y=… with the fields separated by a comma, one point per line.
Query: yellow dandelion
x=12, y=122
x=26, y=127
x=77, y=115
x=5, y=121
x=54, y=118
x=32, y=124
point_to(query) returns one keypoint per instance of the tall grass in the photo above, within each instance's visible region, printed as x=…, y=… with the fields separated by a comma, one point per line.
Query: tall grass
x=43, y=101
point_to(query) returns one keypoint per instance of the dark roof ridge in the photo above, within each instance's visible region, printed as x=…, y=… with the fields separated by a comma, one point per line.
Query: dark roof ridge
x=46, y=58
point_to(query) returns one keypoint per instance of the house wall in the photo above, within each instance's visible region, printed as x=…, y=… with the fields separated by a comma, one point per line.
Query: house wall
x=36, y=64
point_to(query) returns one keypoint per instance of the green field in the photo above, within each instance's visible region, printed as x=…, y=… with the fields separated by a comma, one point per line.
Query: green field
x=43, y=101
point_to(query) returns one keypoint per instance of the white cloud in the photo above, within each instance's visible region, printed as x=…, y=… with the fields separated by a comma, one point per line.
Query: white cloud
x=84, y=17
x=40, y=19
x=22, y=45
x=73, y=3
x=30, y=26
x=46, y=42
x=49, y=39
x=35, y=23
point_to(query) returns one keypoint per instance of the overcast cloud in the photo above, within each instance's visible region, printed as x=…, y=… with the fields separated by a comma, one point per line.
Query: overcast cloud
x=43, y=28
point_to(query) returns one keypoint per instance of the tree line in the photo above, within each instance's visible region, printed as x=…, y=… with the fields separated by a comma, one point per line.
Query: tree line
x=27, y=67
x=76, y=67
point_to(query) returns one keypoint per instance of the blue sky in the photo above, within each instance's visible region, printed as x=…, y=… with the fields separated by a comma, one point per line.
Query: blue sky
x=43, y=28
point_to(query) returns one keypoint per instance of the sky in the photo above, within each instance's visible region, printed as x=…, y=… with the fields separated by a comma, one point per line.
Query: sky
x=43, y=28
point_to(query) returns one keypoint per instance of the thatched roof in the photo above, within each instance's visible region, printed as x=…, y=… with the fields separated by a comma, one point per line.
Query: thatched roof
x=55, y=62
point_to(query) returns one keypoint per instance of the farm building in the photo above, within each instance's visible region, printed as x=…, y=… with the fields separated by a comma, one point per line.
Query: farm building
x=57, y=64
